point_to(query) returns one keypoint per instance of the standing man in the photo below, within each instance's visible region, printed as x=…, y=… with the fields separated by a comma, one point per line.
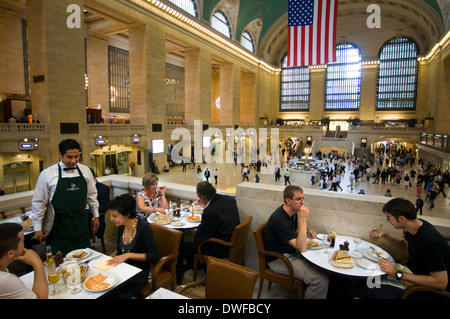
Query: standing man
x=60, y=197
x=429, y=252
x=286, y=232
x=207, y=175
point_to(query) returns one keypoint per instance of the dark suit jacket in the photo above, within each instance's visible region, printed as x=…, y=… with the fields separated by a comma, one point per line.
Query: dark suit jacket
x=219, y=219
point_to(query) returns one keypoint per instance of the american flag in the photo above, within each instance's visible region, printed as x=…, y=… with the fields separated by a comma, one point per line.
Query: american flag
x=312, y=32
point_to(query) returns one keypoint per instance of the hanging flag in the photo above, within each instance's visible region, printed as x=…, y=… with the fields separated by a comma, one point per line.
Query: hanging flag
x=312, y=32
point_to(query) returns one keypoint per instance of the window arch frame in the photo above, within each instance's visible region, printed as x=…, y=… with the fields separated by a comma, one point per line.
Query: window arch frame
x=195, y=6
x=250, y=39
x=392, y=80
x=303, y=84
x=227, y=23
x=354, y=95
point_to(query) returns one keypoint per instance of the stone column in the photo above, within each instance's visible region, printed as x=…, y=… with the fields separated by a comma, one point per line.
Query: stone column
x=147, y=83
x=57, y=67
x=198, y=86
x=230, y=95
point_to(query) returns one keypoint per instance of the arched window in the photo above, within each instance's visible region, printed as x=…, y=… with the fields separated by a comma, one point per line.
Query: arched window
x=295, y=87
x=219, y=21
x=190, y=6
x=397, y=75
x=247, y=41
x=343, y=79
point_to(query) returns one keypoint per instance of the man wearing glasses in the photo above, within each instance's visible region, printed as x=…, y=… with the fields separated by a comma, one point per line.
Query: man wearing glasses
x=286, y=232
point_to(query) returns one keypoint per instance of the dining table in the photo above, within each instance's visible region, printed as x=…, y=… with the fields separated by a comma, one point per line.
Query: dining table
x=163, y=293
x=365, y=257
x=118, y=274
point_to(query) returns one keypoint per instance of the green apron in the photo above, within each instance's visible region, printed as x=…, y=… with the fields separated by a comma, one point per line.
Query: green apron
x=70, y=229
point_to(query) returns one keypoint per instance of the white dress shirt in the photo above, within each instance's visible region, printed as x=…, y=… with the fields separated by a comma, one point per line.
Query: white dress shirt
x=42, y=211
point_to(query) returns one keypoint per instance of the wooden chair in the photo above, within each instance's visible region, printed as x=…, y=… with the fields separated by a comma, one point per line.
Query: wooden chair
x=417, y=288
x=163, y=271
x=236, y=246
x=225, y=280
x=271, y=276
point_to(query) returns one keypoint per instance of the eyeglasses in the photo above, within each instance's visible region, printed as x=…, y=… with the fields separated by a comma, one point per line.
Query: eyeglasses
x=299, y=199
x=389, y=217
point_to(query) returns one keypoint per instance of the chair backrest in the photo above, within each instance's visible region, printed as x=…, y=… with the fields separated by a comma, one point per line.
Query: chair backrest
x=238, y=239
x=168, y=241
x=260, y=246
x=227, y=280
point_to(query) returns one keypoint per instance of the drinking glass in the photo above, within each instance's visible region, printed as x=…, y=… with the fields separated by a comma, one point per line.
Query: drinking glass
x=327, y=242
x=74, y=279
x=357, y=241
x=53, y=278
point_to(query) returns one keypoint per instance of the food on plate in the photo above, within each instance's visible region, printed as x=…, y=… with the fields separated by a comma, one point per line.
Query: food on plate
x=97, y=282
x=342, y=259
x=312, y=244
x=162, y=219
x=79, y=254
x=194, y=218
x=84, y=269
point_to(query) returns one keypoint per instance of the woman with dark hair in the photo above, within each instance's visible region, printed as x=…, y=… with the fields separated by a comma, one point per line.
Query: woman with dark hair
x=136, y=244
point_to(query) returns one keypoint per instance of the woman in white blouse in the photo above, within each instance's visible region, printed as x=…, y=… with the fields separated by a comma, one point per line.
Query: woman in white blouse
x=151, y=199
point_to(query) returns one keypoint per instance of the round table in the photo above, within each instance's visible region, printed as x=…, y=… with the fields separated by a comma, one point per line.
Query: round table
x=366, y=265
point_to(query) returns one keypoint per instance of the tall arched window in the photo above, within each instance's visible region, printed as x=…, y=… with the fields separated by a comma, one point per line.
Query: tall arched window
x=397, y=75
x=343, y=79
x=219, y=21
x=247, y=41
x=190, y=6
x=295, y=87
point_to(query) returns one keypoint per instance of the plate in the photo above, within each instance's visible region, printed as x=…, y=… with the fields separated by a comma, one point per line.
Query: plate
x=197, y=217
x=177, y=223
x=316, y=246
x=366, y=264
x=356, y=254
x=73, y=254
x=103, y=277
x=159, y=219
x=370, y=254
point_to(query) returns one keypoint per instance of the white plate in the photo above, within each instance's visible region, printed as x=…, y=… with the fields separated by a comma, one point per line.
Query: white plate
x=320, y=246
x=194, y=221
x=356, y=254
x=366, y=264
x=70, y=255
x=367, y=253
x=112, y=279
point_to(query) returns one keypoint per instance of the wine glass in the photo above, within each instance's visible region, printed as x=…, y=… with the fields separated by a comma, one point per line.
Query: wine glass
x=327, y=242
x=73, y=281
x=356, y=241
x=53, y=278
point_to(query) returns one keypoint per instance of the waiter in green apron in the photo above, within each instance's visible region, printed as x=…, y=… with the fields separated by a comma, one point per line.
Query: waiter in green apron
x=59, y=201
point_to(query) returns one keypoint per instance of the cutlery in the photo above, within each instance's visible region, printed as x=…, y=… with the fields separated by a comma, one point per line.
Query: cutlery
x=89, y=260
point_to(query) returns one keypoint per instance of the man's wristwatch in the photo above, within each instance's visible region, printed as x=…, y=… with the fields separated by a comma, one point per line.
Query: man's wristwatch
x=399, y=275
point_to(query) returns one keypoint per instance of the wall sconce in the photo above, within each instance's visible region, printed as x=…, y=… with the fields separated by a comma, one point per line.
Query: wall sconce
x=29, y=144
x=135, y=139
x=101, y=140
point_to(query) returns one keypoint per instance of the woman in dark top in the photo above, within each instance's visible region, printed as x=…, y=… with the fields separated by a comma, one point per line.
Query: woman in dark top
x=136, y=244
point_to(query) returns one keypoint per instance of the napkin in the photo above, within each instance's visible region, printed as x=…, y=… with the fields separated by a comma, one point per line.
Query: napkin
x=102, y=264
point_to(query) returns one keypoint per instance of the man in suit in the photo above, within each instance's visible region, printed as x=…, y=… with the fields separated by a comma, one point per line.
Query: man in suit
x=220, y=217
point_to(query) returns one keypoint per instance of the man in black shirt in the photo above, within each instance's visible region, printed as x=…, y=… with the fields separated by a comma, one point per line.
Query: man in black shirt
x=429, y=252
x=286, y=232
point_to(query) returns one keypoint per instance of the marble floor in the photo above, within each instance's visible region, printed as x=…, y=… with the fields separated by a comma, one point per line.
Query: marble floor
x=229, y=175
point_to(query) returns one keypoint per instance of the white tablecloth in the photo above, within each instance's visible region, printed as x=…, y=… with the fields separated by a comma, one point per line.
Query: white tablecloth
x=123, y=272
x=322, y=260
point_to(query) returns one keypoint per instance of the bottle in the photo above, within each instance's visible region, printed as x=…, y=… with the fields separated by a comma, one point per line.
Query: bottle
x=49, y=260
